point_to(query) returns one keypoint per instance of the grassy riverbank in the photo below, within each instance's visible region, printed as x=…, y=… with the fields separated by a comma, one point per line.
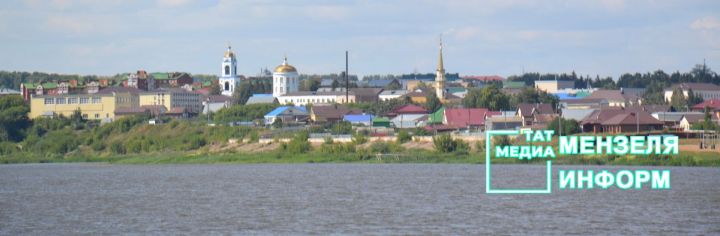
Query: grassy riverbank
x=409, y=156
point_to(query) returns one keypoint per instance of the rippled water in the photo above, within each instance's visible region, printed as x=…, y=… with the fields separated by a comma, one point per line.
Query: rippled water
x=70, y=199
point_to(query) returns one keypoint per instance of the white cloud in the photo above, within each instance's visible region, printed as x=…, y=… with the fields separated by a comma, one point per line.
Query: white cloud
x=71, y=24
x=613, y=5
x=173, y=3
x=706, y=23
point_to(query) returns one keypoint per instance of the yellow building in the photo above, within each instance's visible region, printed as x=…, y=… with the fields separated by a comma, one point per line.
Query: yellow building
x=173, y=98
x=92, y=106
x=108, y=103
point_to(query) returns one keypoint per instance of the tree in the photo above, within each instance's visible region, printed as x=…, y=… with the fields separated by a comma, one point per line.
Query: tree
x=489, y=97
x=13, y=118
x=532, y=95
x=654, y=93
x=242, y=93
x=702, y=73
x=277, y=123
x=569, y=126
x=310, y=85
x=215, y=89
x=403, y=136
x=693, y=98
x=678, y=100
x=445, y=143
x=243, y=112
x=335, y=84
x=432, y=102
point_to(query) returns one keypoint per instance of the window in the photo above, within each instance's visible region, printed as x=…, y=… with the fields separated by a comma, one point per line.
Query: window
x=227, y=70
x=97, y=115
x=49, y=101
x=84, y=100
x=96, y=100
x=60, y=100
x=72, y=100
x=85, y=116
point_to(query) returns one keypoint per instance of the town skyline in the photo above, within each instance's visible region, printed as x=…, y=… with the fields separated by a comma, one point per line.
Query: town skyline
x=605, y=38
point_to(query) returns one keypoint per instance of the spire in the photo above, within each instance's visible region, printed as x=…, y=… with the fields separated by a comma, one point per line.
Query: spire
x=285, y=60
x=441, y=67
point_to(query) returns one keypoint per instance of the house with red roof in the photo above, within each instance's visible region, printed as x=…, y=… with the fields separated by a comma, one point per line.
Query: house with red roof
x=617, y=120
x=465, y=117
x=712, y=104
x=407, y=110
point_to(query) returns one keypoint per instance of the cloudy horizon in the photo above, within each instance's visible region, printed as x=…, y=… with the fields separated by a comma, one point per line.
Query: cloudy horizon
x=601, y=37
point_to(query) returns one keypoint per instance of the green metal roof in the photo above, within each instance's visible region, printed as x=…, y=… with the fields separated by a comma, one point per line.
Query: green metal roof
x=437, y=116
x=513, y=84
x=160, y=75
x=380, y=119
x=49, y=85
x=30, y=85
x=582, y=94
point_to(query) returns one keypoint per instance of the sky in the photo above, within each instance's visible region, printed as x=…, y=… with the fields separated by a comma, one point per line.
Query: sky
x=493, y=37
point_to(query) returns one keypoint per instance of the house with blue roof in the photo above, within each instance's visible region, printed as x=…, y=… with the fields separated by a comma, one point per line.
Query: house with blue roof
x=288, y=115
x=359, y=119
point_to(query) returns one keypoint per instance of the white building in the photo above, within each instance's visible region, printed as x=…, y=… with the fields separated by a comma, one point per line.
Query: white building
x=705, y=90
x=285, y=79
x=391, y=94
x=308, y=97
x=228, y=75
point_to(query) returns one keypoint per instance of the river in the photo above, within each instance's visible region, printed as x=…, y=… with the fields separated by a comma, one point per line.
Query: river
x=377, y=199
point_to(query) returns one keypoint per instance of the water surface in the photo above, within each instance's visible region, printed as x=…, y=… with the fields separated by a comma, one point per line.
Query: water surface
x=71, y=199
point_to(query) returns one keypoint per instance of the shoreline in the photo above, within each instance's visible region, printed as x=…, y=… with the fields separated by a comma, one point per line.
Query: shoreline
x=699, y=159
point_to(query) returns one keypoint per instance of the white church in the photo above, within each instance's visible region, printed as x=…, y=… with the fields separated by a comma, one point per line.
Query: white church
x=229, y=78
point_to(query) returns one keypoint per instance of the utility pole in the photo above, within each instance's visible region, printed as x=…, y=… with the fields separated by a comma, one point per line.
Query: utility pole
x=347, y=79
x=559, y=110
x=637, y=122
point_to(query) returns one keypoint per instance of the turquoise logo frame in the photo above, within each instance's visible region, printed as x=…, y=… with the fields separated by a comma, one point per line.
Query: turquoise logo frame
x=489, y=189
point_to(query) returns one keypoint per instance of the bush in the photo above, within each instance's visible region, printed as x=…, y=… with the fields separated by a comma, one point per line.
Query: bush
x=134, y=146
x=403, y=136
x=117, y=148
x=359, y=138
x=338, y=148
x=57, y=142
x=479, y=147
x=501, y=140
x=328, y=140
x=421, y=132
x=445, y=143
x=7, y=148
x=254, y=137
x=342, y=127
x=196, y=142
x=385, y=147
x=298, y=144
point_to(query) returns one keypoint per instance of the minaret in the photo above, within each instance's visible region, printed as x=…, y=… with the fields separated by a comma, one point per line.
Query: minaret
x=440, y=77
